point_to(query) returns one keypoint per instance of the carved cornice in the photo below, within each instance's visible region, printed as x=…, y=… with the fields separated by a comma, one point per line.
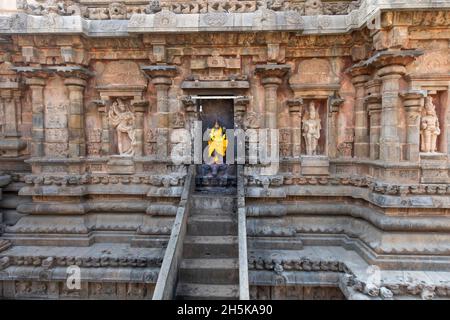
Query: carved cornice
x=160, y=71
x=389, y=58
x=71, y=72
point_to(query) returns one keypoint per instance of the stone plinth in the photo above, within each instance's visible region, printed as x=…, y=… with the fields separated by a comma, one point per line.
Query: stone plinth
x=315, y=166
x=434, y=168
x=121, y=165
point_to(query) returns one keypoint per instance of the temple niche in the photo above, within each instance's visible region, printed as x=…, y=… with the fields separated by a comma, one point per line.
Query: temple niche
x=122, y=119
x=429, y=127
x=311, y=128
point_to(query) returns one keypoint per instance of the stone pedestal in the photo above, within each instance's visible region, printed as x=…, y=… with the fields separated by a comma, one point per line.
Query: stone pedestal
x=315, y=166
x=120, y=165
x=434, y=168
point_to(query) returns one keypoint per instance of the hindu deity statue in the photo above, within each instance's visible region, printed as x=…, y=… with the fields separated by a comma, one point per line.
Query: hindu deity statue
x=311, y=129
x=122, y=119
x=429, y=127
x=217, y=144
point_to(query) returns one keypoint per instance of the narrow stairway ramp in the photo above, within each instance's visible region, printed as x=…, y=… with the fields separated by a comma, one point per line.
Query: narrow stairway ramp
x=210, y=266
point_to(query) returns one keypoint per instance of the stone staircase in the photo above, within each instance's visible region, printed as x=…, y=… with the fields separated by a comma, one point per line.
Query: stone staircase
x=210, y=266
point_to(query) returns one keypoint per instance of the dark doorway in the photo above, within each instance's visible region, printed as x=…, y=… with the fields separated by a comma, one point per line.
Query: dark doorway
x=212, y=110
x=216, y=178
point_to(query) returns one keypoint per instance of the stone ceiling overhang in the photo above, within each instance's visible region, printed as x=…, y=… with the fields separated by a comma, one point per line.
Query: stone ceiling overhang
x=166, y=21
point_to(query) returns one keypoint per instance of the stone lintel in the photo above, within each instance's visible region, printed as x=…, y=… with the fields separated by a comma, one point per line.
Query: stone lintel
x=215, y=84
x=109, y=91
x=315, y=91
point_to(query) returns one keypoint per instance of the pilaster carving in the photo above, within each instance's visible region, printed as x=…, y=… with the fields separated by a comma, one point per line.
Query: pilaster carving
x=271, y=77
x=360, y=76
x=295, y=111
x=413, y=103
x=161, y=76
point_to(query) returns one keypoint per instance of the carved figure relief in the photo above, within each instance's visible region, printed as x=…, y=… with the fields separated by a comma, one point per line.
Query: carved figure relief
x=123, y=120
x=311, y=129
x=429, y=127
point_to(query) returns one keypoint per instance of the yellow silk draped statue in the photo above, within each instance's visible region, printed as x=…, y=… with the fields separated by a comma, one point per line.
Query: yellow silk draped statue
x=218, y=142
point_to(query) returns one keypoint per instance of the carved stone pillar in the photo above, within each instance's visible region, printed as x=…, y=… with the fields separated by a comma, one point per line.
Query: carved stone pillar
x=75, y=81
x=102, y=109
x=295, y=111
x=361, y=143
x=77, y=145
x=413, y=103
x=391, y=68
x=10, y=144
x=139, y=111
x=161, y=76
x=335, y=103
x=390, y=149
x=373, y=106
x=271, y=77
x=37, y=105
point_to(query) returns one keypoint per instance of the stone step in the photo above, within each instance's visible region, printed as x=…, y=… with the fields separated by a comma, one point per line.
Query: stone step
x=210, y=247
x=195, y=291
x=205, y=225
x=211, y=212
x=216, y=201
x=209, y=271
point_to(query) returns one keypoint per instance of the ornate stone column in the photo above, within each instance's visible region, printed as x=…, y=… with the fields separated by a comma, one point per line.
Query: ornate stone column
x=295, y=111
x=373, y=105
x=335, y=103
x=360, y=75
x=77, y=146
x=75, y=81
x=139, y=111
x=240, y=109
x=161, y=76
x=10, y=144
x=37, y=105
x=413, y=103
x=271, y=77
x=391, y=69
x=102, y=109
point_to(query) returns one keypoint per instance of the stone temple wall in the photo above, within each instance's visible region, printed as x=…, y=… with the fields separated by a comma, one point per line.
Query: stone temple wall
x=95, y=97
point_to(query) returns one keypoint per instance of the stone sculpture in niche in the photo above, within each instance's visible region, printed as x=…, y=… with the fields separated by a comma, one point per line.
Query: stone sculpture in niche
x=311, y=129
x=429, y=127
x=123, y=120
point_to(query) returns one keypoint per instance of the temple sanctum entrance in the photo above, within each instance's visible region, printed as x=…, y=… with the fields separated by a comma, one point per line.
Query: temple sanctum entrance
x=215, y=172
